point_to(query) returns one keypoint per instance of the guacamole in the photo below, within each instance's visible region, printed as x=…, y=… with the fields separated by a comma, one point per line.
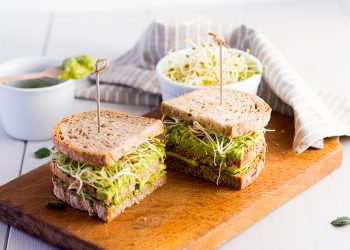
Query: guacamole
x=76, y=67
x=231, y=171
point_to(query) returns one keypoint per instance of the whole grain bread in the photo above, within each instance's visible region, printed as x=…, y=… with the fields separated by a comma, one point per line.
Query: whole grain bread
x=237, y=182
x=97, y=208
x=239, y=113
x=77, y=136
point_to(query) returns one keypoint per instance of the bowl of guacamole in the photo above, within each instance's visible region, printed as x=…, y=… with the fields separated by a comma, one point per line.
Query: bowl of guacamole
x=29, y=109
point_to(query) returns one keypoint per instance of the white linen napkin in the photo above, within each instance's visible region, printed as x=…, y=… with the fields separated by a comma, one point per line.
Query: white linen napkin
x=132, y=79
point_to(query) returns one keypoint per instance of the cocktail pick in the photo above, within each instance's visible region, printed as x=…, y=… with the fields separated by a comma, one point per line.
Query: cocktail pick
x=219, y=40
x=100, y=65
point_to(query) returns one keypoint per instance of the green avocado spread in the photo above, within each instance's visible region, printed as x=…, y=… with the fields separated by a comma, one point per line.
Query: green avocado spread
x=199, y=141
x=117, y=201
x=231, y=171
x=114, y=183
x=76, y=67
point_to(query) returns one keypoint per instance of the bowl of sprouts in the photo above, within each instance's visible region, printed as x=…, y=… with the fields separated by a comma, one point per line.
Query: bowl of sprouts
x=197, y=67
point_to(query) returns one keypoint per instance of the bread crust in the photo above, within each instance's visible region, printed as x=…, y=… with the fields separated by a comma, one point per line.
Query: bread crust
x=240, y=112
x=123, y=139
x=96, y=208
x=236, y=182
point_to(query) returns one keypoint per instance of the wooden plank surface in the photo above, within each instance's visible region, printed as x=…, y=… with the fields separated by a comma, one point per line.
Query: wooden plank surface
x=173, y=215
x=3, y=234
x=21, y=240
x=14, y=149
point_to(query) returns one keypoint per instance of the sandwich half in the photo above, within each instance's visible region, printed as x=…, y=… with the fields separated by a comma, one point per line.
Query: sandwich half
x=104, y=173
x=220, y=143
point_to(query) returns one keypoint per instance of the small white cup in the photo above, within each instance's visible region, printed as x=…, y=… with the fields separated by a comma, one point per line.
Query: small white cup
x=171, y=89
x=31, y=113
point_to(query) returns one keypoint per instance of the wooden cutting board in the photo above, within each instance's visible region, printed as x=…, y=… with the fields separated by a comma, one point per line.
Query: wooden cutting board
x=185, y=213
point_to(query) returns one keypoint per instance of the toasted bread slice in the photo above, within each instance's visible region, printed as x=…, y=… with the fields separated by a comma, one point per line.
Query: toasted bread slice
x=240, y=181
x=240, y=112
x=77, y=135
x=97, y=208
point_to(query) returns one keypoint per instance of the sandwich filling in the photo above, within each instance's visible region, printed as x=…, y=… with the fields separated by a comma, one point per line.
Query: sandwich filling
x=201, y=147
x=236, y=178
x=231, y=170
x=113, y=184
x=208, y=146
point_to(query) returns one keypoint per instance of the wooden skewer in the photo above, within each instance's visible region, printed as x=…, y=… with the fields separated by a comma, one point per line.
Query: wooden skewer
x=220, y=74
x=219, y=40
x=100, y=65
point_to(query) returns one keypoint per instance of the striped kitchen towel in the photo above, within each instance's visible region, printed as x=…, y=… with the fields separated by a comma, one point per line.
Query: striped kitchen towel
x=132, y=79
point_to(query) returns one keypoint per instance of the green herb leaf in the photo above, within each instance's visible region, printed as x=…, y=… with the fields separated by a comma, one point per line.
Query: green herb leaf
x=42, y=153
x=56, y=204
x=341, y=221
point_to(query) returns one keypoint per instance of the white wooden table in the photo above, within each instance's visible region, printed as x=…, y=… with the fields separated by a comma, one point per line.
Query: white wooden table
x=315, y=38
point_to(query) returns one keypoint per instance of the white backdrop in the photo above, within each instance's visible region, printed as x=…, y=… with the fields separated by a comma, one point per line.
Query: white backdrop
x=66, y=5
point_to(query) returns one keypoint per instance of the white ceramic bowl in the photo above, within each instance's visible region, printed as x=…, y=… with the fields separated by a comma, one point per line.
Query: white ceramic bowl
x=30, y=114
x=171, y=89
